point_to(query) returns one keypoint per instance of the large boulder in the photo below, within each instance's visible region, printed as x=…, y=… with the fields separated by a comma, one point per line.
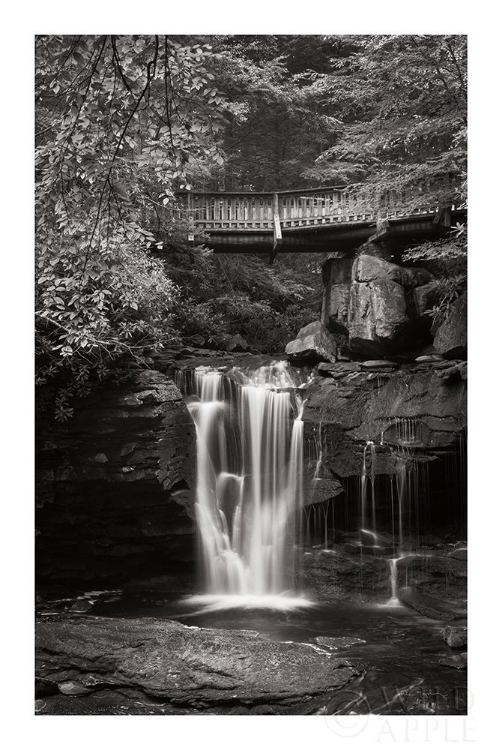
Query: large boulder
x=313, y=343
x=370, y=268
x=337, y=279
x=377, y=316
x=450, y=338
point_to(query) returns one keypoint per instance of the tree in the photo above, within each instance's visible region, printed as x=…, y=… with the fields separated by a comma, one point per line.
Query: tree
x=120, y=123
x=401, y=115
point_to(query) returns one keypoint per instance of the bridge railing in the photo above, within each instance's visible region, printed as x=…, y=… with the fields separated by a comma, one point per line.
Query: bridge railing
x=241, y=210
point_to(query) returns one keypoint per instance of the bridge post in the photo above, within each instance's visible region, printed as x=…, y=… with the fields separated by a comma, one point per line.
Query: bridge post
x=277, y=229
x=191, y=219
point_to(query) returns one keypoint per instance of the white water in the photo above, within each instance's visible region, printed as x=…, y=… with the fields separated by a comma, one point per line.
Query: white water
x=249, y=483
x=394, y=600
x=364, y=485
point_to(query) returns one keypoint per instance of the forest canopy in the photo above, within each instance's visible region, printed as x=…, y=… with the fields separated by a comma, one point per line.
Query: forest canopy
x=123, y=122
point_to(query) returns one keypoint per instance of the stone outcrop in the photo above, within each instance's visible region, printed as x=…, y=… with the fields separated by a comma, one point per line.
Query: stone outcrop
x=355, y=403
x=377, y=316
x=115, y=485
x=337, y=279
x=450, y=338
x=196, y=668
x=313, y=343
x=378, y=305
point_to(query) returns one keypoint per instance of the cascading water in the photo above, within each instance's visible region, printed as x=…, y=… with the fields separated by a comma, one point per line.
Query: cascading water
x=249, y=477
x=364, y=484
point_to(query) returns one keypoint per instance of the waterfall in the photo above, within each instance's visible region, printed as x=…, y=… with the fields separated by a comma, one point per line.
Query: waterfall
x=364, y=485
x=394, y=600
x=249, y=477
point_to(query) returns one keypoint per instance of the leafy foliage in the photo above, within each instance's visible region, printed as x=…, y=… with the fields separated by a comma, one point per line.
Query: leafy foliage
x=401, y=105
x=120, y=121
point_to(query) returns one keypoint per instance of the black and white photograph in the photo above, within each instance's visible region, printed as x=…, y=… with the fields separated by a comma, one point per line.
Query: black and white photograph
x=250, y=362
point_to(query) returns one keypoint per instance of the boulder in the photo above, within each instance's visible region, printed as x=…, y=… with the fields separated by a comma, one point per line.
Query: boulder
x=427, y=605
x=337, y=278
x=377, y=316
x=314, y=342
x=370, y=268
x=450, y=338
x=455, y=637
x=337, y=308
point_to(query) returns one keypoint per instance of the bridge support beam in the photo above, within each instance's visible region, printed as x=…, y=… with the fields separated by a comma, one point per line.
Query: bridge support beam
x=277, y=231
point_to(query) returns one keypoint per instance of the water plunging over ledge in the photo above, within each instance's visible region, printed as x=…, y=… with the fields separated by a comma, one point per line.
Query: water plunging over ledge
x=249, y=478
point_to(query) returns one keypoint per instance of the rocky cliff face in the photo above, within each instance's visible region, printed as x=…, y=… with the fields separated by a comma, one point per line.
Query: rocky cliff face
x=420, y=406
x=115, y=486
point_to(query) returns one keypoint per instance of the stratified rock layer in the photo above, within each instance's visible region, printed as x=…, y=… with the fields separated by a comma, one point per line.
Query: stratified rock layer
x=116, y=483
x=357, y=402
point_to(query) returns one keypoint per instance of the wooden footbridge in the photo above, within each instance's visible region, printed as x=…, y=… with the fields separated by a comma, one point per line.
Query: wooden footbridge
x=320, y=219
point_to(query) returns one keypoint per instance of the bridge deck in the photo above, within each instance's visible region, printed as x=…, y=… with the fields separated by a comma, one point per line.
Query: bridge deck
x=307, y=219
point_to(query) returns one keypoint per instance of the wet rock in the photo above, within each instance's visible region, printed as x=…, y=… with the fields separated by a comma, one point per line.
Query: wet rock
x=100, y=458
x=457, y=661
x=455, y=636
x=313, y=342
x=71, y=687
x=378, y=364
x=427, y=605
x=344, y=573
x=429, y=358
x=335, y=643
x=436, y=407
x=450, y=338
x=82, y=605
x=385, y=541
x=459, y=554
x=197, y=667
